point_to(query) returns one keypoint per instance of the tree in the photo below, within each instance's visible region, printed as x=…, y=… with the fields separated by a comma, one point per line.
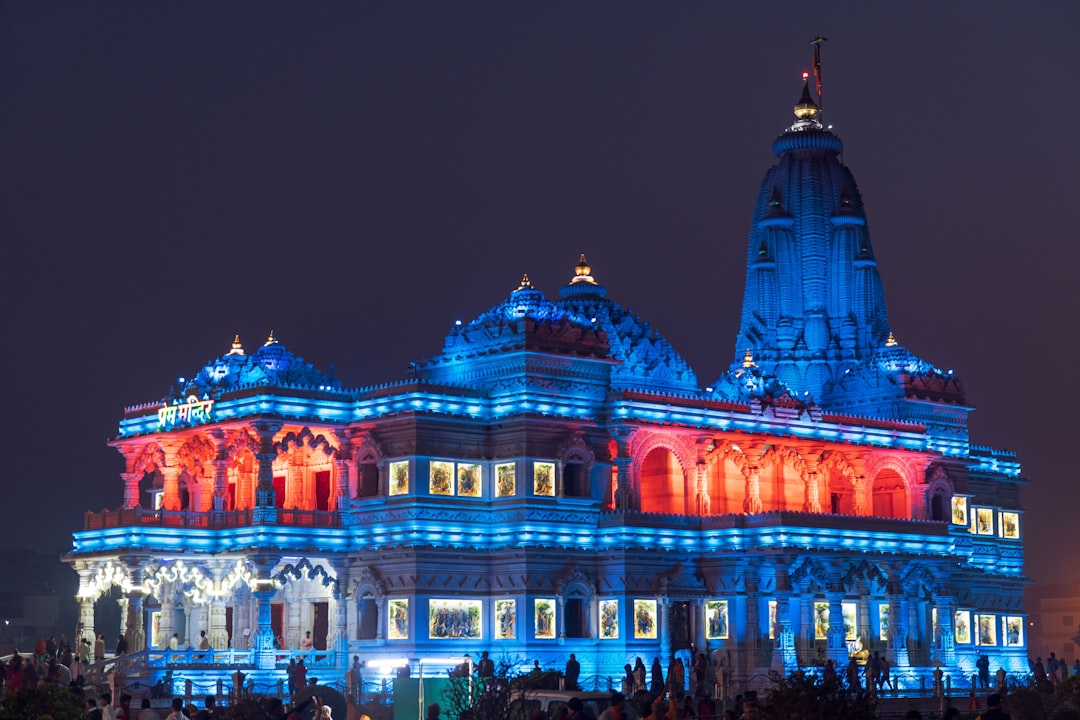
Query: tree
x=53, y=701
x=810, y=697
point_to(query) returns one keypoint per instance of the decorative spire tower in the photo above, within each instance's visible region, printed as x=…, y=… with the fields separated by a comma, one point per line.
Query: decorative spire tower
x=813, y=303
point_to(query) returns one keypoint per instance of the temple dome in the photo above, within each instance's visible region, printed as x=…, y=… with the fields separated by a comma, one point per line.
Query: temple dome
x=647, y=361
x=272, y=364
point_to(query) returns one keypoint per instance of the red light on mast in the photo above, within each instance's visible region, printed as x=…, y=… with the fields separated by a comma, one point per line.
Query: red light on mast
x=805, y=75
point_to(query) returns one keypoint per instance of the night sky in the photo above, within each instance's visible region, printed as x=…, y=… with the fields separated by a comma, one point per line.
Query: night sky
x=358, y=176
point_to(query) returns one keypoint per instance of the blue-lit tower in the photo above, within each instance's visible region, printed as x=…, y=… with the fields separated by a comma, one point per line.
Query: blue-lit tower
x=814, y=302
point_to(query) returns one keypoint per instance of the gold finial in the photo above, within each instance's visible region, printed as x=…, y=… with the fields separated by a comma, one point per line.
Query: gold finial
x=748, y=359
x=526, y=284
x=891, y=341
x=270, y=340
x=582, y=272
x=237, y=348
x=806, y=108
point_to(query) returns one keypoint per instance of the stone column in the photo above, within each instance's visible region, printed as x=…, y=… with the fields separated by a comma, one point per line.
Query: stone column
x=663, y=603
x=860, y=504
x=837, y=650
x=218, y=634
x=897, y=651
x=265, y=512
x=341, y=626
x=698, y=621
x=343, y=467
x=785, y=638
x=187, y=640
x=167, y=621
x=295, y=629
x=264, y=636
x=380, y=630
x=752, y=627
x=810, y=477
x=560, y=620
x=131, y=488
x=752, y=473
x=171, y=485
x=86, y=619
x=136, y=633
x=123, y=603
x=221, y=487
x=702, y=501
x=624, y=493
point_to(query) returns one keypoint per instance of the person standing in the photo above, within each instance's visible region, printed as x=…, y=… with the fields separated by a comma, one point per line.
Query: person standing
x=204, y=642
x=656, y=688
x=486, y=666
x=573, y=671
x=290, y=675
x=993, y=709
x=99, y=649
x=121, y=645
x=300, y=675
x=983, y=666
x=147, y=712
x=305, y=643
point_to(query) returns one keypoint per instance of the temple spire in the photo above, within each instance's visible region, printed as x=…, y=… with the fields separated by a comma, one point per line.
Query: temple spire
x=237, y=348
x=526, y=284
x=271, y=340
x=582, y=272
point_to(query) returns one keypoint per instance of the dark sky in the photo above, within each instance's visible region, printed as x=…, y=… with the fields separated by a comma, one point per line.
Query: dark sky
x=357, y=176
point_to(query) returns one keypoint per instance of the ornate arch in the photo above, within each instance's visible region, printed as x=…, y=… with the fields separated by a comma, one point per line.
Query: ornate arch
x=879, y=463
x=370, y=450
x=716, y=451
x=576, y=450
x=196, y=453
x=369, y=584
x=918, y=581
x=866, y=578
x=577, y=584
x=150, y=458
x=105, y=576
x=651, y=441
x=306, y=438
x=304, y=569
x=238, y=442
x=196, y=584
x=810, y=572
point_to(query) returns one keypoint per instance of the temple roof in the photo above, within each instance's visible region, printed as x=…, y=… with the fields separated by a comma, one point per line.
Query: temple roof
x=647, y=360
x=271, y=365
x=582, y=322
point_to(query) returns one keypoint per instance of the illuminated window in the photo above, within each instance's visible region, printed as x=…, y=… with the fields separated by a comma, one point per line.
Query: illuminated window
x=544, y=479
x=716, y=620
x=505, y=480
x=398, y=620
x=468, y=480
x=987, y=634
x=959, y=510
x=1013, y=630
x=644, y=619
x=441, y=480
x=984, y=521
x=544, y=618
x=399, y=477
x=883, y=621
x=821, y=621
x=609, y=619
x=505, y=619
x=454, y=619
x=772, y=619
x=1009, y=525
x=851, y=627
x=962, y=627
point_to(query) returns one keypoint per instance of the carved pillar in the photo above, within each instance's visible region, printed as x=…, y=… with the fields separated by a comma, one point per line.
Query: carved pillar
x=702, y=502
x=837, y=648
x=341, y=625
x=663, y=603
x=560, y=620
x=341, y=501
x=171, y=485
x=700, y=640
x=123, y=603
x=264, y=636
x=624, y=493
x=752, y=473
x=136, y=633
x=86, y=618
x=785, y=638
x=265, y=512
x=897, y=651
x=295, y=630
x=221, y=485
x=187, y=641
x=168, y=617
x=218, y=634
x=131, y=488
x=860, y=506
x=380, y=631
x=751, y=626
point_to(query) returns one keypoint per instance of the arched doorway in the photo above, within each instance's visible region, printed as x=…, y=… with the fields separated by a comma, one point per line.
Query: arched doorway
x=890, y=495
x=663, y=483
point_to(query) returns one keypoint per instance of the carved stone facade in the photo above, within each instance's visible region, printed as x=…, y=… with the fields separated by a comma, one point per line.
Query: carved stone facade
x=556, y=481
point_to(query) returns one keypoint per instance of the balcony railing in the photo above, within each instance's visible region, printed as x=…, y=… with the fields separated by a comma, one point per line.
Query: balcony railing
x=137, y=516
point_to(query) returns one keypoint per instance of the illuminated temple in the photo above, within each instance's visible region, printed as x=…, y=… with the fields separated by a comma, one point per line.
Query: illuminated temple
x=557, y=480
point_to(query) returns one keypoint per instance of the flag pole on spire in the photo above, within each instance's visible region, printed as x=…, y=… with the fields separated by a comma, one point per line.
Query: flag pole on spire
x=817, y=43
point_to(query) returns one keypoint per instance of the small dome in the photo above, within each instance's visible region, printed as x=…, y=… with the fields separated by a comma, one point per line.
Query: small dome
x=272, y=364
